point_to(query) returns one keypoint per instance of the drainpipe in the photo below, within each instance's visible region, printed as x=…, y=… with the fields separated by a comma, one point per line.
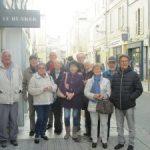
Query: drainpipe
x=149, y=45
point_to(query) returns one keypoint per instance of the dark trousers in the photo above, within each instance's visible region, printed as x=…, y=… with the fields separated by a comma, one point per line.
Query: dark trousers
x=87, y=122
x=108, y=124
x=57, y=112
x=42, y=118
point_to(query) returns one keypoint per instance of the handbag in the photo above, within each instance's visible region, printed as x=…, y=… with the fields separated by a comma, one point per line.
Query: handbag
x=59, y=92
x=104, y=106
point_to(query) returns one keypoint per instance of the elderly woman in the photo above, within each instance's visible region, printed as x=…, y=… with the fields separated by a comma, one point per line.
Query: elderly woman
x=41, y=86
x=72, y=87
x=97, y=88
x=10, y=90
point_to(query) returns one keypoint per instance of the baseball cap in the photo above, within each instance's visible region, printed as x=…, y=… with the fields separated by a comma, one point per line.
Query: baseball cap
x=112, y=59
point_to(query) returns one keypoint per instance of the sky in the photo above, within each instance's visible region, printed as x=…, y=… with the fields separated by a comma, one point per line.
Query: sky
x=59, y=14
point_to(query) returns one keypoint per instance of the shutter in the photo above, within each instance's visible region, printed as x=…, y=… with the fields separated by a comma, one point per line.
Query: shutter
x=142, y=20
x=136, y=22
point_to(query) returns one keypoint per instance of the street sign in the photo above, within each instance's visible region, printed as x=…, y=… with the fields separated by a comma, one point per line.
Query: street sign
x=19, y=18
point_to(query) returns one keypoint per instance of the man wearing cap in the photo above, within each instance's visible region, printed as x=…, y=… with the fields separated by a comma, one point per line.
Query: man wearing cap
x=26, y=96
x=126, y=87
x=112, y=63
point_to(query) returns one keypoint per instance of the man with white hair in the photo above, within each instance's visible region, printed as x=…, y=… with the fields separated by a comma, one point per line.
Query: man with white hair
x=10, y=92
x=50, y=69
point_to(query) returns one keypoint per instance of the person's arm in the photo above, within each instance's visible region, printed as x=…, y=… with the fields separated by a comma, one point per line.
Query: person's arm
x=53, y=85
x=138, y=89
x=24, y=86
x=33, y=90
x=87, y=90
x=108, y=90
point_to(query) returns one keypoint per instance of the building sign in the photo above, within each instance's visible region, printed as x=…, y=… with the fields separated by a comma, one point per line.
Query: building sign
x=19, y=18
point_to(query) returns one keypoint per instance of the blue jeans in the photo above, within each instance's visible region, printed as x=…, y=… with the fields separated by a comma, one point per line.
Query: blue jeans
x=76, y=117
x=42, y=118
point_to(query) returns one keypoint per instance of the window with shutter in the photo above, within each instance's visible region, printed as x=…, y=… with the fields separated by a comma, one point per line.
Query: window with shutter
x=142, y=20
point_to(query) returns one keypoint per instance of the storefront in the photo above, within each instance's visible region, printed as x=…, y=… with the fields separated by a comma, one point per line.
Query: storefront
x=135, y=52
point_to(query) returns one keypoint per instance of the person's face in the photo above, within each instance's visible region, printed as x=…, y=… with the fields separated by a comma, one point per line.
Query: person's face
x=97, y=70
x=41, y=70
x=73, y=69
x=87, y=66
x=124, y=63
x=57, y=65
x=52, y=56
x=112, y=65
x=6, y=58
x=80, y=58
x=33, y=62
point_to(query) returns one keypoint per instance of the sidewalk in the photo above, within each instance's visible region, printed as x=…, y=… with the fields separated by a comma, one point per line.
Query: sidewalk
x=58, y=143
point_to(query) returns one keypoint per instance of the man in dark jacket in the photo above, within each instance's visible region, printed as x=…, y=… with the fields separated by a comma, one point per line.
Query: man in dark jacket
x=126, y=88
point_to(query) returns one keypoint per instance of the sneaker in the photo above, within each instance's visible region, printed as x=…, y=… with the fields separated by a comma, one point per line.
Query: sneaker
x=119, y=146
x=94, y=145
x=49, y=126
x=44, y=137
x=14, y=142
x=4, y=144
x=104, y=145
x=58, y=132
x=31, y=133
x=130, y=147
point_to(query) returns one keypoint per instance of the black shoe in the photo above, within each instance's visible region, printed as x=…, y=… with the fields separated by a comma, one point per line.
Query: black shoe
x=36, y=140
x=87, y=134
x=31, y=133
x=4, y=144
x=119, y=146
x=58, y=132
x=14, y=142
x=104, y=145
x=130, y=147
x=94, y=145
x=49, y=126
x=44, y=137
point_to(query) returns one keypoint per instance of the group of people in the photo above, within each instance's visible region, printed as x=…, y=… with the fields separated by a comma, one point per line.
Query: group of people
x=54, y=90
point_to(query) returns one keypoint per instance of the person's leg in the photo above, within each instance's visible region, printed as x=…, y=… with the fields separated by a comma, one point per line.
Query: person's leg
x=50, y=119
x=76, y=123
x=131, y=125
x=120, y=125
x=103, y=122
x=67, y=122
x=87, y=123
x=4, y=121
x=45, y=109
x=31, y=114
x=108, y=124
x=58, y=120
x=94, y=123
x=38, y=125
x=13, y=122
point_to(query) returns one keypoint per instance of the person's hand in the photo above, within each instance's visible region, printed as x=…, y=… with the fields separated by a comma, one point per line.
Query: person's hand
x=69, y=95
x=96, y=96
x=48, y=88
x=101, y=96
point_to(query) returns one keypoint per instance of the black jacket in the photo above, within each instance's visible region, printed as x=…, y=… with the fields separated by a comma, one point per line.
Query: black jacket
x=126, y=87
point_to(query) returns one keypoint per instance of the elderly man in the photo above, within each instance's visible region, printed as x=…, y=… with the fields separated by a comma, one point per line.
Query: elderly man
x=10, y=92
x=126, y=88
x=26, y=96
x=50, y=69
x=112, y=64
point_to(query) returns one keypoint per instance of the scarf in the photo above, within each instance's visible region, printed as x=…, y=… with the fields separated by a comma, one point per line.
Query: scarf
x=96, y=86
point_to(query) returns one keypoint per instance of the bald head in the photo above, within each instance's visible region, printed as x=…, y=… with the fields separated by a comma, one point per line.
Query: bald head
x=80, y=57
x=6, y=58
x=52, y=56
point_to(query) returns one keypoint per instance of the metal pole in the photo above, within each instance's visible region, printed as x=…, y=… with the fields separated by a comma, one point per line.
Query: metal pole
x=149, y=45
